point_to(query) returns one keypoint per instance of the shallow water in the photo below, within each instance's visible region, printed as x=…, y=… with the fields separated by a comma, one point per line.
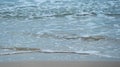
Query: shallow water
x=59, y=30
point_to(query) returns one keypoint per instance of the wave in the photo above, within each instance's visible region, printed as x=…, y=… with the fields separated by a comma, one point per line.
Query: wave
x=63, y=36
x=35, y=9
x=22, y=50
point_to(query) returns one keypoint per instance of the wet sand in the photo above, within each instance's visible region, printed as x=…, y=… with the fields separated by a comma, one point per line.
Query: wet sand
x=61, y=64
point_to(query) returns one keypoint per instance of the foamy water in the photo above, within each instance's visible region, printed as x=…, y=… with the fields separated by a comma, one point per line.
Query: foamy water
x=59, y=30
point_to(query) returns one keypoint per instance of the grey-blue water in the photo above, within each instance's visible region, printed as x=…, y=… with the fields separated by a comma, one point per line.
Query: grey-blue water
x=66, y=30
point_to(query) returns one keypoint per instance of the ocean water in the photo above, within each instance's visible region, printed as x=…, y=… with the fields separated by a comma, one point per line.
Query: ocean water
x=66, y=30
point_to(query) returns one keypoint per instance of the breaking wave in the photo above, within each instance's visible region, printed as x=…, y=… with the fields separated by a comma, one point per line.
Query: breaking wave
x=35, y=9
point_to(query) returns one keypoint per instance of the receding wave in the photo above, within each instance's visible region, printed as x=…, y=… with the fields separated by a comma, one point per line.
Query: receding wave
x=32, y=50
x=23, y=50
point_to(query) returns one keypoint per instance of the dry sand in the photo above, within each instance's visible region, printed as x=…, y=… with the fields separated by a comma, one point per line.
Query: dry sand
x=61, y=64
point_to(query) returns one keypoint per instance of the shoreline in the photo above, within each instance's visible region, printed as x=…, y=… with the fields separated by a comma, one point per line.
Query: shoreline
x=61, y=64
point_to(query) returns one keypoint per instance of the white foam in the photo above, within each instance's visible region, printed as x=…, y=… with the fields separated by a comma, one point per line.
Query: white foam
x=116, y=25
x=48, y=50
x=86, y=35
x=103, y=55
x=90, y=52
x=40, y=1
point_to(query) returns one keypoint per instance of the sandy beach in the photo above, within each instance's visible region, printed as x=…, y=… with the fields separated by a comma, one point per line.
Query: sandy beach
x=61, y=64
